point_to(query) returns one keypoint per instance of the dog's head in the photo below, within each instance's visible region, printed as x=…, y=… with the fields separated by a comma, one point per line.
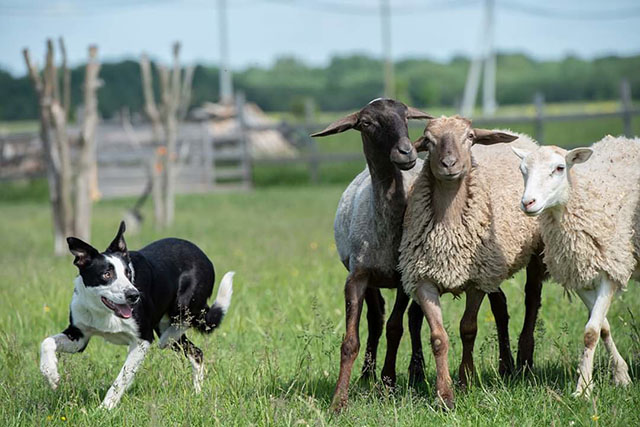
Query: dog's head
x=108, y=276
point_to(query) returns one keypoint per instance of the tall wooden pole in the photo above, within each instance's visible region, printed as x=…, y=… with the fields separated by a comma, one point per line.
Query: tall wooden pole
x=226, y=85
x=385, y=25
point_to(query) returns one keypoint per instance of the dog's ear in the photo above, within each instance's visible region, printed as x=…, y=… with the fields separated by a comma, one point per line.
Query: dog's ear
x=118, y=244
x=83, y=252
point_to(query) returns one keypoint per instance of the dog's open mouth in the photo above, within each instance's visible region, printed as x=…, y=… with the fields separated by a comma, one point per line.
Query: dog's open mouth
x=121, y=310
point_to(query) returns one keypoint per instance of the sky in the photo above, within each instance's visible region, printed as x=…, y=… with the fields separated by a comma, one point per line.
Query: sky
x=260, y=31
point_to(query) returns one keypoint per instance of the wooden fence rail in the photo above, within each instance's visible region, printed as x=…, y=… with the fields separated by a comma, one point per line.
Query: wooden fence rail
x=200, y=170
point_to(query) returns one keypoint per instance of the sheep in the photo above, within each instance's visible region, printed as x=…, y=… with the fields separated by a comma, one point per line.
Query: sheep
x=367, y=232
x=590, y=225
x=464, y=233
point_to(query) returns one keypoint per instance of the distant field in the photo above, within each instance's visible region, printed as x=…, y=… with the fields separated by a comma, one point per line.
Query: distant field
x=275, y=359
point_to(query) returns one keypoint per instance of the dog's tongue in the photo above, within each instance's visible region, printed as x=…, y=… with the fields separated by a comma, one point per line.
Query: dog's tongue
x=124, y=310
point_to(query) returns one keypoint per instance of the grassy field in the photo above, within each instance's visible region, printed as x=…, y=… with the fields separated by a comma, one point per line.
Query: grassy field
x=274, y=361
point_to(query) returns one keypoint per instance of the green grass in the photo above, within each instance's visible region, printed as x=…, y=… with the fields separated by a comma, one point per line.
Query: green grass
x=275, y=359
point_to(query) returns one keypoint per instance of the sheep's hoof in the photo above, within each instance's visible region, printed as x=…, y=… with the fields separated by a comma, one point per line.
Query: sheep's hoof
x=582, y=393
x=506, y=367
x=416, y=373
x=338, y=404
x=389, y=380
x=445, y=402
x=621, y=378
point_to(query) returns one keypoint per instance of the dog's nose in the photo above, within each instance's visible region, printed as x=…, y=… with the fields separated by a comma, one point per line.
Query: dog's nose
x=132, y=296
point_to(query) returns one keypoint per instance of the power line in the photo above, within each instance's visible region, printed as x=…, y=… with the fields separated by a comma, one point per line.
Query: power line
x=335, y=7
x=552, y=13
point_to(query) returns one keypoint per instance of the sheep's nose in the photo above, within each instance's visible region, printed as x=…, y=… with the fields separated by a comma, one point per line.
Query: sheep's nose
x=404, y=150
x=448, y=162
x=132, y=296
x=528, y=203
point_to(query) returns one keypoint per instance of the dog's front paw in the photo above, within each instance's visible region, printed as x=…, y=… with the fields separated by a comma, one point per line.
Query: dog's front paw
x=49, y=362
x=108, y=403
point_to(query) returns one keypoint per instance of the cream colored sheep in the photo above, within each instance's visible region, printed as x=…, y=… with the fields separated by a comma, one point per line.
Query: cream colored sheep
x=463, y=230
x=590, y=227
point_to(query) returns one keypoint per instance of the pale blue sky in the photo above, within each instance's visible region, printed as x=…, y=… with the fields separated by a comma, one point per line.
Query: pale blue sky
x=313, y=30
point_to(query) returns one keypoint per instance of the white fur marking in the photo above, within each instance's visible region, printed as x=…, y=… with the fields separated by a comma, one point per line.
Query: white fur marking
x=198, y=373
x=49, y=359
x=137, y=353
x=225, y=291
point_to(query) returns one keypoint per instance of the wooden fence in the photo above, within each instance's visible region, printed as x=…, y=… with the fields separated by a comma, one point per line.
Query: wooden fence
x=209, y=164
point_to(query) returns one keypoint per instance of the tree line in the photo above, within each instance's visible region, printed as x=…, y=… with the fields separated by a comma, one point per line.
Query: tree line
x=348, y=82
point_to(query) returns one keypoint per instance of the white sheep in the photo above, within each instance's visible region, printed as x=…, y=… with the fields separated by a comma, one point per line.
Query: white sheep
x=589, y=220
x=463, y=232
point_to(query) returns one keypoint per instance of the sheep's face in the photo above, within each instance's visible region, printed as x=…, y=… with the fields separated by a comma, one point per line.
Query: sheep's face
x=546, y=173
x=384, y=127
x=448, y=141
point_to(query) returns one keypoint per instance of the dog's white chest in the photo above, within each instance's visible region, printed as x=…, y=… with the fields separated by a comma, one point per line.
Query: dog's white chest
x=98, y=322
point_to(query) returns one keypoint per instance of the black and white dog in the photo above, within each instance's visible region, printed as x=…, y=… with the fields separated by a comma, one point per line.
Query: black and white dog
x=125, y=296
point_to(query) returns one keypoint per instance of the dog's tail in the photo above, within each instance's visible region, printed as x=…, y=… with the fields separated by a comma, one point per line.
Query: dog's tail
x=214, y=316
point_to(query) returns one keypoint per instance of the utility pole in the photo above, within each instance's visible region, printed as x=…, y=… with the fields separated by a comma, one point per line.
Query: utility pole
x=385, y=21
x=489, y=86
x=226, y=86
x=486, y=57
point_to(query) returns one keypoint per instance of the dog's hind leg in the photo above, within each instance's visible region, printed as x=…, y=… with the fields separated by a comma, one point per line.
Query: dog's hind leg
x=195, y=356
x=71, y=340
x=137, y=352
x=171, y=335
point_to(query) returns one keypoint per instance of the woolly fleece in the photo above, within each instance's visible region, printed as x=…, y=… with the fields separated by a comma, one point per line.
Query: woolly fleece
x=487, y=243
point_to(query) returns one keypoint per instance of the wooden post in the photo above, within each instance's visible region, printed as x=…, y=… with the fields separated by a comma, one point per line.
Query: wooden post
x=625, y=101
x=159, y=151
x=538, y=100
x=50, y=154
x=313, y=152
x=208, y=165
x=66, y=79
x=246, y=153
x=87, y=168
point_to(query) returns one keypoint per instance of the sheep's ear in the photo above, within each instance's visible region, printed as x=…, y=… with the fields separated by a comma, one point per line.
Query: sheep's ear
x=489, y=137
x=338, y=126
x=520, y=152
x=414, y=113
x=421, y=144
x=118, y=244
x=83, y=252
x=578, y=155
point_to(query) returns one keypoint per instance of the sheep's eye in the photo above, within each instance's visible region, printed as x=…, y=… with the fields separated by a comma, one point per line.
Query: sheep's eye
x=365, y=123
x=470, y=136
x=106, y=275
x=559, y=169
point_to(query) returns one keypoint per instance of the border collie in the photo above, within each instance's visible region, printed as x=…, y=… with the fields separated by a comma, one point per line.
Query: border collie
x=125, y=296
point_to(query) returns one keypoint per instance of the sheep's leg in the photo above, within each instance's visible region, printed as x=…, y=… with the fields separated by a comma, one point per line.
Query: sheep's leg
x=394, y=334
x=618, y=365
x=416, y=366
x=375, y=321
x=498, y=301
x=468, y=332
x=353, y=294
x=601, y=297
x=428, y=297
x=533, y=293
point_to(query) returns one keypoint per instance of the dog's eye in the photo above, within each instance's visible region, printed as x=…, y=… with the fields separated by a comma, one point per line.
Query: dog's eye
x=127, y=272
x=106, y=275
